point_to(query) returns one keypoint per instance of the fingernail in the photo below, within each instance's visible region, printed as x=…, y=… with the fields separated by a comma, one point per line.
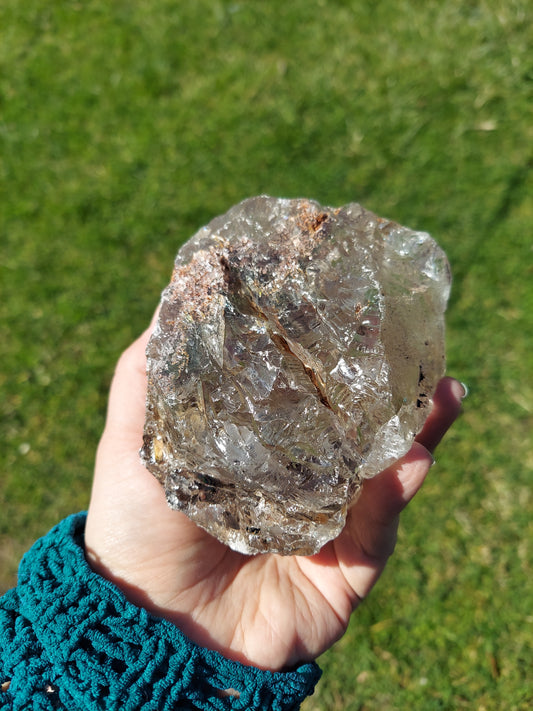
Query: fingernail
x=465, y=390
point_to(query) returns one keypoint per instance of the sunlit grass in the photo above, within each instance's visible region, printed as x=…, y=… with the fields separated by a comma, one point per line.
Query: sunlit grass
x=126, y=126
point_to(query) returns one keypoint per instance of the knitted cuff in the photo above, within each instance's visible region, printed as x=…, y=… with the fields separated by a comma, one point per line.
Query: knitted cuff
x=77, y=637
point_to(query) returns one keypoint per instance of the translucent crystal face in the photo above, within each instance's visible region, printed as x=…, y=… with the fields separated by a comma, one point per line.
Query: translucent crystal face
x=296, y=353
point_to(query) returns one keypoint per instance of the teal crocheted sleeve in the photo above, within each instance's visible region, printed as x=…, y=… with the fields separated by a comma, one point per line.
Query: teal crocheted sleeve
x=69, y=639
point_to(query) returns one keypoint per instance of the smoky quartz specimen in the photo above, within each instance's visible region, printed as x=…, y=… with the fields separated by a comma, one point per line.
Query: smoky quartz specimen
x=296, y=353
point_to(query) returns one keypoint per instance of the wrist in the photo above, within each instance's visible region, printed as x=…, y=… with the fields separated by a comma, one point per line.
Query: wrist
x=96, y=644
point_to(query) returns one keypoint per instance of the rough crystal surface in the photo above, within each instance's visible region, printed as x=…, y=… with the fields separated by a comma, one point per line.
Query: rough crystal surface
x=296, y=353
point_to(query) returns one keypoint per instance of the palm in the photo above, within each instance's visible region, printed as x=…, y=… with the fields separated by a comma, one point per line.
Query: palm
x=266, y=610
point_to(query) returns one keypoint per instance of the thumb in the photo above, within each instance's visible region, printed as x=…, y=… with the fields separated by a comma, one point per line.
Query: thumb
x=127, y=397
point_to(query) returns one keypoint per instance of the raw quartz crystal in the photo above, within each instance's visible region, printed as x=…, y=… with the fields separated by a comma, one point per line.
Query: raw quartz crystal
x=296, y=353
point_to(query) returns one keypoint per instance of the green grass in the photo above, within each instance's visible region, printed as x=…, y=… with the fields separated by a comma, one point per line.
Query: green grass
x=126, y=126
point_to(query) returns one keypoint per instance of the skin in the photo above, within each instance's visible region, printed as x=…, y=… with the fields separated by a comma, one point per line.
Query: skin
x=269, y=611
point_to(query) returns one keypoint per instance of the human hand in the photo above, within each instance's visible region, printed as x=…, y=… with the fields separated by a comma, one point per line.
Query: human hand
x=270, y=611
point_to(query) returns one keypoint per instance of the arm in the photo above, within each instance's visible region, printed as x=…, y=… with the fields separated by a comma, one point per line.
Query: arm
x=136, y=607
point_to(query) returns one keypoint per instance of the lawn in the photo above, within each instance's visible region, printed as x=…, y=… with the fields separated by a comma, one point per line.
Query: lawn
x=126, y=126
